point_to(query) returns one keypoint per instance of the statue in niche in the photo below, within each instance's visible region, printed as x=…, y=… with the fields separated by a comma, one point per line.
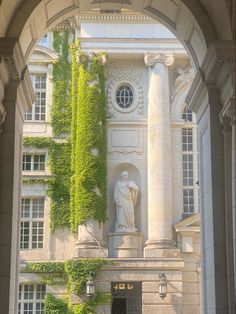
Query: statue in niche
x=125, y=198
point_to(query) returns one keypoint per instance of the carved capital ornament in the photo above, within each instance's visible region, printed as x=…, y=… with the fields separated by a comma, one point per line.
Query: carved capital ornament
x=151, y=58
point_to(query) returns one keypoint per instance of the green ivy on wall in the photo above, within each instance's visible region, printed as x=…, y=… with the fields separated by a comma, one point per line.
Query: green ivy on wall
x=59, y=184
x=59, y=188
x=53, y=305
x=78, y=272
x=61, y=76
x=79, y=164
x=88, y=139
x=75, y=274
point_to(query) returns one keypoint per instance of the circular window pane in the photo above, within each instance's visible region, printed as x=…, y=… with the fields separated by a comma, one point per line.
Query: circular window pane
x=124, y=96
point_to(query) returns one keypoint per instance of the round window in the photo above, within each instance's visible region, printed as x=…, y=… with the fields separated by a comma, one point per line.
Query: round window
x=124, y=96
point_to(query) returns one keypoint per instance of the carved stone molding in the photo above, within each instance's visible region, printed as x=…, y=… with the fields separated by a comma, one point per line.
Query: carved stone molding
x=184, y=78
x=219, y=55
x=117, y=77
x=217, y=70
x=228, y=115
x=225, y=121
x=2, y=116
x=104, y=16
x=12, y=55
x=13, y=74
x=150, y=59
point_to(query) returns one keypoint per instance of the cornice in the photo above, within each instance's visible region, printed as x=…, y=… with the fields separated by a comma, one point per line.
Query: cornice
x=187, y=224
x=74, y=22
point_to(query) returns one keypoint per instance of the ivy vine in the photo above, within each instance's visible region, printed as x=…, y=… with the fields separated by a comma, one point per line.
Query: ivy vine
x=61, y=76
x=75, y=274
x=79, y=164
x=88, y=197
x=53, y=305
x=59, y=184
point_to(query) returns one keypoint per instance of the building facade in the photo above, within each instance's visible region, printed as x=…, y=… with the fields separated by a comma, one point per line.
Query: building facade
x=151, y=135
x=207, y=31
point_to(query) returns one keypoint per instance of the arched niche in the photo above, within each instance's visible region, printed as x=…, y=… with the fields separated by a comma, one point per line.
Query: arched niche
x=113, y=177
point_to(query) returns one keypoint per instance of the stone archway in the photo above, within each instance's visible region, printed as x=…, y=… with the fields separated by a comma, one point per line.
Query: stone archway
x=190, y=22
x=191, y=26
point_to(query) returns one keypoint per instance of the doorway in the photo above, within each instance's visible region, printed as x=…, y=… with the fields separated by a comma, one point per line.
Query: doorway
x=127, y=297
x=119, y=306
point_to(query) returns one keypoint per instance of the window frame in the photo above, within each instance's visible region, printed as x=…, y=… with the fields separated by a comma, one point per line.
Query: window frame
x=128, y=99
x=40, y=102
x=33, y=163
x=189, y=175
x=34, y=301
x=34, y=224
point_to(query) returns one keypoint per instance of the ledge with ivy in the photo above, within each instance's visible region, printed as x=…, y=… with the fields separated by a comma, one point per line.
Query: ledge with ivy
x=73, y=274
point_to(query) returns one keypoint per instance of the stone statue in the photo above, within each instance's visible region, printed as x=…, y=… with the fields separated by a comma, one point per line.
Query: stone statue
x=125, y=198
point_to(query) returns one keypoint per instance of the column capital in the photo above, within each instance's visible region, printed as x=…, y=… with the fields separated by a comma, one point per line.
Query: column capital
x=11, y=53
x=225, y=121
x=228, y=113
x=151, y=58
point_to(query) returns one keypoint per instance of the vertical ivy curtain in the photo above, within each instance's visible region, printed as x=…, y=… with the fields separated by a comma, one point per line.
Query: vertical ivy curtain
x=88, y=138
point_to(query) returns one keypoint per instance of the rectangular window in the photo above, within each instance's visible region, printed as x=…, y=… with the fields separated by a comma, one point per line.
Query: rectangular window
x=188, y=200
x=33, y=162
x=31, y=299
x=32, y=223
x=187, y=115
x=187, y=140
x=188, y=171
x=38, y=110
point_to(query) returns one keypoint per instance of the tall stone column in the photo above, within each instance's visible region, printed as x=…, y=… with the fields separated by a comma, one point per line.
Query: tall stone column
x=159, y=156
x=16, y=94
x=227, y=132
x=232, y=115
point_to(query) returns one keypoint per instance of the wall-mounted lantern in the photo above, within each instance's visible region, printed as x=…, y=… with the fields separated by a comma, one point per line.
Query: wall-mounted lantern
x=162, y=286
x=90, y=289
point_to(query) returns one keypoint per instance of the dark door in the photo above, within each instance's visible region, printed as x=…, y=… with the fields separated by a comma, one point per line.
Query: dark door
x=127, y=297
x=119, y=306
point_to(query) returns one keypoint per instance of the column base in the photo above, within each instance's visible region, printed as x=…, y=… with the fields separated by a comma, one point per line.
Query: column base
x=90, y=249
x=161, y=248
